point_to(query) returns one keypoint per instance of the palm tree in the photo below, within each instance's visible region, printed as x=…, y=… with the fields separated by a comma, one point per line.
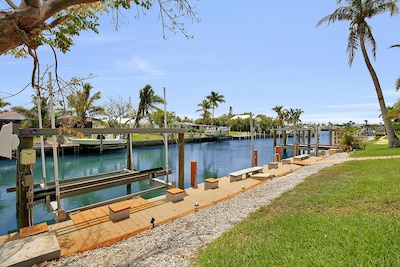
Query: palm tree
x=204, y=107
x=294, y=115
x=83, y=103
x=147, y=103
x=215, y=98
x=280, y=114
x=3, y=104
x=394, y=111
x=357, y=12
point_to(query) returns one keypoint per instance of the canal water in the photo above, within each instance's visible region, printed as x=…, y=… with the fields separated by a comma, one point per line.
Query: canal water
x=214, y=159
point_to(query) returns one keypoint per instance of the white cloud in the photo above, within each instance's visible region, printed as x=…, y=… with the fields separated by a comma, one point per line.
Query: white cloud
x=138, y=63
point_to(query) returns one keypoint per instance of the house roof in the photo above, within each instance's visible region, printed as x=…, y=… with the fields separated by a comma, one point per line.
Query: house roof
x=11, y=116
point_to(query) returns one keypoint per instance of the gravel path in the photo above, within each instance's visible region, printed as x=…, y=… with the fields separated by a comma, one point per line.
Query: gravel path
x=177, y=243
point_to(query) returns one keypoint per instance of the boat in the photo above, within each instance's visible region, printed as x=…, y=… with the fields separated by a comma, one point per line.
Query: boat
x=215, y=131
x=97, y=142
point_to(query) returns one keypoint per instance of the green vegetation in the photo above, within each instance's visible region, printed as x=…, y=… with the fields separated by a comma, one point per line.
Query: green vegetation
x=376, y=150
x=345, y=215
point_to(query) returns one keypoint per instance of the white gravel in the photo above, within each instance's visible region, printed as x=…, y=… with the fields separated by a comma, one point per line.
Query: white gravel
x=177, y=243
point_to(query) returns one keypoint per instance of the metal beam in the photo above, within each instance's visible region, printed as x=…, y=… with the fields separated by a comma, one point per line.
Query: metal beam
x=29, y=132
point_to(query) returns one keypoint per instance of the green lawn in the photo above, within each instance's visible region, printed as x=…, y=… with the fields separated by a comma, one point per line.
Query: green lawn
x=376, y=150
x=346, y=215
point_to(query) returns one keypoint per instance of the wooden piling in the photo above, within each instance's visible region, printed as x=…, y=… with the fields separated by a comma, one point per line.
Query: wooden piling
x=193, y=173
x=22, y=171
x=181, y=161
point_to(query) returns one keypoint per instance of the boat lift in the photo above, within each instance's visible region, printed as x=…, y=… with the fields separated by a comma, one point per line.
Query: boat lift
x=26, y=198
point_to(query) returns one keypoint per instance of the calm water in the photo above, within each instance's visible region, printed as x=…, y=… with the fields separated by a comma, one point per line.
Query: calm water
x=214, y=159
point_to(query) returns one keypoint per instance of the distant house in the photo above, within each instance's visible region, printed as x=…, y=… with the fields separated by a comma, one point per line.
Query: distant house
x=11, y=116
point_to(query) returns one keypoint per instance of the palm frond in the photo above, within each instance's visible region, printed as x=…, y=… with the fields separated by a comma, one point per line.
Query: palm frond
x=353, y=43
x=370, y=40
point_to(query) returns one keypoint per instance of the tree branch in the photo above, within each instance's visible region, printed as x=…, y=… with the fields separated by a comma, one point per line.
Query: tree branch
x=11, y=4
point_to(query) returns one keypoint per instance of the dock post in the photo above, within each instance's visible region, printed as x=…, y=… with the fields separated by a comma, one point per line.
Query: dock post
x=129, y=160
x=22, y=189
x=255, y=163
x=278, y=153
x=193, y=173
x=284, y=137
x=181, y=161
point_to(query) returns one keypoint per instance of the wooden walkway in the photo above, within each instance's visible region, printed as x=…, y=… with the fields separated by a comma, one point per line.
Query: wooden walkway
x=91, y=229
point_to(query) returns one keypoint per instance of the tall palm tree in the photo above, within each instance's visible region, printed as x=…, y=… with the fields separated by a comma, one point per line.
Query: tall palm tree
x=356, y=12
x=83, y=103
x=204, y=107
x=147, y=103
x=215, y=98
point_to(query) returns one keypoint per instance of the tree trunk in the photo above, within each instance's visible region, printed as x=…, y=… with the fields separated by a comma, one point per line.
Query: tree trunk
x=392, y=137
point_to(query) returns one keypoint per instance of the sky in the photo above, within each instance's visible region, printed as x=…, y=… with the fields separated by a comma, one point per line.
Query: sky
x=257, y=55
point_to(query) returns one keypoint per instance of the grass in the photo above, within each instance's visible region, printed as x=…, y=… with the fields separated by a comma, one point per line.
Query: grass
x=346, y=215
x=375, y=150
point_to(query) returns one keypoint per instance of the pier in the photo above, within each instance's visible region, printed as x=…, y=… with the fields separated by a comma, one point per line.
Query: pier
x=302, y=141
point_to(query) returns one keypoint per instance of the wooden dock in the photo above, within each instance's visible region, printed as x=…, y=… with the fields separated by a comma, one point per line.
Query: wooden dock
x=93, y=228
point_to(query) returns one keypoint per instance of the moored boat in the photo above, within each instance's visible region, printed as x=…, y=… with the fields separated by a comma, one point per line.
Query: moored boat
x=99, y=141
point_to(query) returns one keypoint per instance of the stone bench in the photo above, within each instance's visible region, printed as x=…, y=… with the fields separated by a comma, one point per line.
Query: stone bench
x=119, y=211
x=210, y=183
x=286, y=161
x=238, y=175
x=175, y=194
x=273, y=165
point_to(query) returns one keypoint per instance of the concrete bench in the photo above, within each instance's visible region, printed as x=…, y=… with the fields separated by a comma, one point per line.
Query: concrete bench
x=210, y=183
x=175, y=194
x=238, y=175
x=119, y=211
x=286, y=161
x=273, y=165
x=301, y=157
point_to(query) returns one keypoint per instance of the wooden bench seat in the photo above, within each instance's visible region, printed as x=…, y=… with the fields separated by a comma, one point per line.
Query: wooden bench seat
x=119, y=211
x=175, y=194
x=238, y=175
x=210, y=183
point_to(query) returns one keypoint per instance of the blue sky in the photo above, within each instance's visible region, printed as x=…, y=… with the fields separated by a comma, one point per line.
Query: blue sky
x=258, y=55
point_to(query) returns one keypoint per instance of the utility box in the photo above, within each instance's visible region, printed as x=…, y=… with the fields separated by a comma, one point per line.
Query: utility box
x=28, y=180
x=28, y=156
